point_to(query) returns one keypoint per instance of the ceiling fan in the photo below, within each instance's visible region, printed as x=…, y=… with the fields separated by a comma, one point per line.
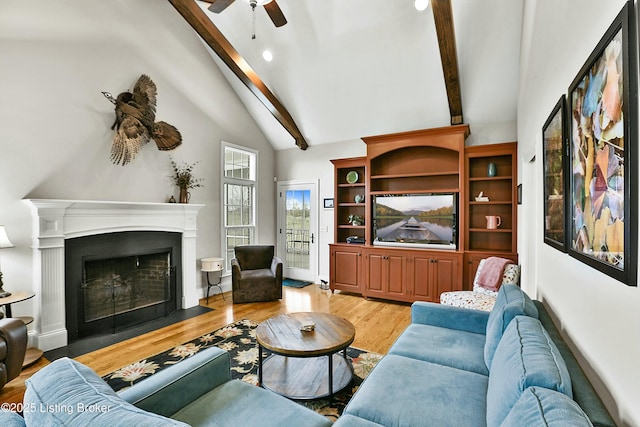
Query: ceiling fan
x=272, y=8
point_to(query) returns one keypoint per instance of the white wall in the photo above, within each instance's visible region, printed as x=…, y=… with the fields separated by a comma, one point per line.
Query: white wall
x=598, y=314
x=55, y=139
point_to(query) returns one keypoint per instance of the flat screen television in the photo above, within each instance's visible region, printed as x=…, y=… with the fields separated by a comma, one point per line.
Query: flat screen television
x=420, y=220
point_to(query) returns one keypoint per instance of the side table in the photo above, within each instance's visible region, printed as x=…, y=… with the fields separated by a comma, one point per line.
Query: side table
x=33, y=354
x=213, y=265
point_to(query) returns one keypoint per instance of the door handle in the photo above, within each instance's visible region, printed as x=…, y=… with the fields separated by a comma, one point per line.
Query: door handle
x=312, y=238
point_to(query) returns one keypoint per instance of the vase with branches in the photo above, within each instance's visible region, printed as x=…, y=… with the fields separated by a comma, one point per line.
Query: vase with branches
x=185, y=180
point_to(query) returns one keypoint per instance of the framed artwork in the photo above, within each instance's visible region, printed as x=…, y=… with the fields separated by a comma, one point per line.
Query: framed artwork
x=554, y=148
x=328, y=203
x=603, y=124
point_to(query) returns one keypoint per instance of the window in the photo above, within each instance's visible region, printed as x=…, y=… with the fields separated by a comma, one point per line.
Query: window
x=238, y=196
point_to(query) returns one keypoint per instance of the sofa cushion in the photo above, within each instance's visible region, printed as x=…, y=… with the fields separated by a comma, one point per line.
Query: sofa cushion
x=510, y=302
x=68, y=393
x=525, y=357
x=406, y=392
x=543, y=407
x=11, y=419
x=236, y=403
x=450, y=347
x=347, y=420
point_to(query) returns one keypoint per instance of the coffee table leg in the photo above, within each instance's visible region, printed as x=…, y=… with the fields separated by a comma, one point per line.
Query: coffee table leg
x=259, y=365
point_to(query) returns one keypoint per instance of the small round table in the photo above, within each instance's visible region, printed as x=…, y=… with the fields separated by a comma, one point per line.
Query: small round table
x=33, y=354
x=305, y=364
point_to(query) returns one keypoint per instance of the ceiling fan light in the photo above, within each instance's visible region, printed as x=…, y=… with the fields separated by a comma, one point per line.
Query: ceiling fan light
x=421, y=5
x=259, y=2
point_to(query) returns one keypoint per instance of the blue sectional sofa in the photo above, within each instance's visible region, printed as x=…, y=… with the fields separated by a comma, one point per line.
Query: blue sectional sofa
x=198, y=392
x=454, y=366
x=451, y=367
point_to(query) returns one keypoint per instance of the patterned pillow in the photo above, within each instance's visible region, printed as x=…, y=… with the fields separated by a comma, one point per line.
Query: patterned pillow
x=511, y=275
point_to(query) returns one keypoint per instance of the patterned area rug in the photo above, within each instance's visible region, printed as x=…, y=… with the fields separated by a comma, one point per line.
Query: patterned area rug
x=239, y=340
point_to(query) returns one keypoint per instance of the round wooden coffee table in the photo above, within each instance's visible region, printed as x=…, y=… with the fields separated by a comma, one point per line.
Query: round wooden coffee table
x=305, y=364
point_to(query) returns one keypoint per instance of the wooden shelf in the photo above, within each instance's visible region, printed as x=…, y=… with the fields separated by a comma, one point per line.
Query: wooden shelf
x=491, y=178
x=352, y=226
x=490, y=230
x=357, y=184
x=491, y=202
x=443, y=190
x=414, y=175
x=352, y=204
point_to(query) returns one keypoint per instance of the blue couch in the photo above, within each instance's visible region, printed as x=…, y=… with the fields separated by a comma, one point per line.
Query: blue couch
x=454, y=366
x=198, y=392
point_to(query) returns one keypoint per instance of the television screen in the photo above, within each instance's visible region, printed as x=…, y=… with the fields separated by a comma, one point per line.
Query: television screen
x=424, y=220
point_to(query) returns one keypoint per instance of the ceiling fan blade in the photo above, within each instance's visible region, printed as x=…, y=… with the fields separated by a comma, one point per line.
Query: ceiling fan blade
x=218, y=6
x=274, y=12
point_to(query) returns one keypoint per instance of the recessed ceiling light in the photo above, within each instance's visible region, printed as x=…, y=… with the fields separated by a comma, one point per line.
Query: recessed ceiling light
x=267, y=55
x=421, y=4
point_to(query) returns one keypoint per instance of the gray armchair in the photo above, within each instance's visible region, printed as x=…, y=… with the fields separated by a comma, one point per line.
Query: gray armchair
x=256, y=274
x=13, y=345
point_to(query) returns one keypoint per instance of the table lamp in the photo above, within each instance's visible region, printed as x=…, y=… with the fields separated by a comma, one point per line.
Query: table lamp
x=4, y=243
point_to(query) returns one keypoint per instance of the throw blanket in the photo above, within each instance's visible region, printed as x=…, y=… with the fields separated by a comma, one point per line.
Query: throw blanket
x=490, y=276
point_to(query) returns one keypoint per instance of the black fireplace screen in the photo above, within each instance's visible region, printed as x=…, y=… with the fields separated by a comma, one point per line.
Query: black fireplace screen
x=118, y=285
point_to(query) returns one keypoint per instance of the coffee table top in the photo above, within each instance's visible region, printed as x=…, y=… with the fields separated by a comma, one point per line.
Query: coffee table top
x=282, y=335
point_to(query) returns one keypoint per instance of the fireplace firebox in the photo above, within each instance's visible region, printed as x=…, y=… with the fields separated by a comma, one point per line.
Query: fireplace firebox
x=114, y=281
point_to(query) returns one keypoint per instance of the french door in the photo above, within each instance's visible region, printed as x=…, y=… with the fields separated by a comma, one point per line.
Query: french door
x=297, y=229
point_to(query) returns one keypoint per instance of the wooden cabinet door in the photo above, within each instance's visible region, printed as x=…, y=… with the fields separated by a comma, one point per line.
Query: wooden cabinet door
x=345, y=269
x=423, y=283
x=396, y=283
x=432, y=274
x=376, y=274
x=446, y=275
x=385, y=274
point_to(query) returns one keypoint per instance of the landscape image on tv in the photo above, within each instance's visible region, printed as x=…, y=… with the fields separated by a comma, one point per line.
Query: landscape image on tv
x=415, y=219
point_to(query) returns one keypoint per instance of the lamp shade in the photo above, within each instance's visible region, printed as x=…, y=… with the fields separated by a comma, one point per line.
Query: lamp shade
x=212, y=264
x=4, y=239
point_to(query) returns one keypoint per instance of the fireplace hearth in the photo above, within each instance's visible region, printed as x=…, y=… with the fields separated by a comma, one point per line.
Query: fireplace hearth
x=114, y=281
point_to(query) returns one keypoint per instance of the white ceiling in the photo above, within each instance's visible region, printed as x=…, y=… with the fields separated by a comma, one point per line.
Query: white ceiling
x=345, y=69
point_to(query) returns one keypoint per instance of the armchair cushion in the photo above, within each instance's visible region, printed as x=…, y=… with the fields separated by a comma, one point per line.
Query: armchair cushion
x=254, y=256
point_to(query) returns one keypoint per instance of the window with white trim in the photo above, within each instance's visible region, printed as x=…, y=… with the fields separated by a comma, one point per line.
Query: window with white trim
x=239, y=173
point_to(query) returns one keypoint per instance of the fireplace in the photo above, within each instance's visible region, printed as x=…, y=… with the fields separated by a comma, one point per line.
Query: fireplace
x=58, y=222
x=114, y=281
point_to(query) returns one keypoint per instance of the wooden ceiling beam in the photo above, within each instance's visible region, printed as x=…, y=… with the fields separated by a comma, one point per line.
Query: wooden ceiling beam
x=206, y=29
x=443, y=17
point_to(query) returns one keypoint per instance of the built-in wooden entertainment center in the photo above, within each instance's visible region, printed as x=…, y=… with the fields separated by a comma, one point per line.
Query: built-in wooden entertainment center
x=432, y=161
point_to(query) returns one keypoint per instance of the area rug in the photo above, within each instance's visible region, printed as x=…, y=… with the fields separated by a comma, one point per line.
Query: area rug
x=239, y=340
x=293, y=283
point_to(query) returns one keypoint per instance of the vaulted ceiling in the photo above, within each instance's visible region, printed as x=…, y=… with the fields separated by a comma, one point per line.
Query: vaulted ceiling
x=344, y=69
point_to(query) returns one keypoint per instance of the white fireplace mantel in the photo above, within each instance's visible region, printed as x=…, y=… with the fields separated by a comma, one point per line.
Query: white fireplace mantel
x=56, y=220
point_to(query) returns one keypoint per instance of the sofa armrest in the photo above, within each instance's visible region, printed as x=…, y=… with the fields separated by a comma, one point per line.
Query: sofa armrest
x=445, y=316
x=171, y=389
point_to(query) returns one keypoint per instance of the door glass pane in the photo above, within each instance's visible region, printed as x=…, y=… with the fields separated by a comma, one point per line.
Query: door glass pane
x=298, y=226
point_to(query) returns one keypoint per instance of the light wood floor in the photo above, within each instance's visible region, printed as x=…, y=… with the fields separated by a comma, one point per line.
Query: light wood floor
x=378, y=324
